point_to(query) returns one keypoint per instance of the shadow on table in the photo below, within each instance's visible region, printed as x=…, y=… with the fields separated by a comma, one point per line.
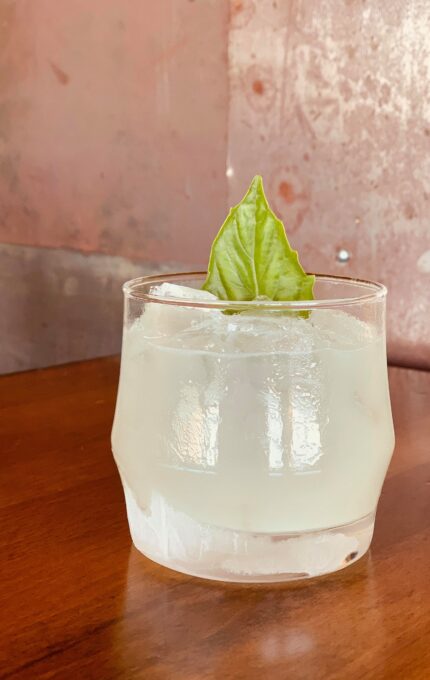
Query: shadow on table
x=404, y=507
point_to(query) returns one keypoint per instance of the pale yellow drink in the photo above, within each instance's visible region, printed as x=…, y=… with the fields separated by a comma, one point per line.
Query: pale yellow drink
x=240, y=438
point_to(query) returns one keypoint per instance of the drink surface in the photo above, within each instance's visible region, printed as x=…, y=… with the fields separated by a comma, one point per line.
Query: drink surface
x=266, y=422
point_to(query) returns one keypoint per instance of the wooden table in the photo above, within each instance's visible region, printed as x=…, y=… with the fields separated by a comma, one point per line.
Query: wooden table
x=77, y=601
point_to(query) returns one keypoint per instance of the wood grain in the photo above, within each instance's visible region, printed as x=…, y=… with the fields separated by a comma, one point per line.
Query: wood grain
x=77, y=601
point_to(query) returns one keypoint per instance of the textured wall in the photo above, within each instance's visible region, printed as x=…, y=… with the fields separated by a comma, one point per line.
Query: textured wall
x=113, y=133
x=330, y=101
x=127, y=128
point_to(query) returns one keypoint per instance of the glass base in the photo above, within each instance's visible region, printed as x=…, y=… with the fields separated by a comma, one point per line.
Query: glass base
x=178, y=542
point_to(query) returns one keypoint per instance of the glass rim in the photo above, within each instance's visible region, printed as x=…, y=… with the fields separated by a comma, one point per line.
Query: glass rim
x=373, y=291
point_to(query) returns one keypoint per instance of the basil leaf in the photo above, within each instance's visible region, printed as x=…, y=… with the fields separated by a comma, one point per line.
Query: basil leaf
x=251, y=258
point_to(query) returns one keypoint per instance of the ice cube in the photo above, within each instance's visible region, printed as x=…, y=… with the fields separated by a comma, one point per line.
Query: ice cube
x=169, y=536
x=172, y=290
x=163, y=319
x=341, y=329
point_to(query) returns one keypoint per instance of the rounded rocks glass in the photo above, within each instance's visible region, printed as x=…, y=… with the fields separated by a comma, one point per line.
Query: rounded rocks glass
x=252, y=438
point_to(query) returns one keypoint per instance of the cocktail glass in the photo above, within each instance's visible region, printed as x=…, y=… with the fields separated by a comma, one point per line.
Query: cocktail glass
x=252, y=438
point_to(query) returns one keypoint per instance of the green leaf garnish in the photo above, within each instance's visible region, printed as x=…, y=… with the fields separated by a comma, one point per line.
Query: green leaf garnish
x=251, y=258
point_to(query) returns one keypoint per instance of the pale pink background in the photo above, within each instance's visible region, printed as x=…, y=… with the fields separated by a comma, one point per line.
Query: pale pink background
x=128, y=128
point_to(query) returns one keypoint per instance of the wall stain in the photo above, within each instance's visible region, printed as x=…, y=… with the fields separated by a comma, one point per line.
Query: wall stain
x=241, y=12
x=258, y=87
x=409, y=211
x=286, y=192
x=291, y=196
x=62, y=77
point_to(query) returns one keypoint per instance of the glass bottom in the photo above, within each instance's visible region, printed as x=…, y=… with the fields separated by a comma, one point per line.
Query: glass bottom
x=180, y=543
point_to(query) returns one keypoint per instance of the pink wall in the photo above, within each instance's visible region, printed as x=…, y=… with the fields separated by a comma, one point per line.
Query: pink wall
x=118, y=121
x=113, y=140
x=330, y=102
x=115, y=116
